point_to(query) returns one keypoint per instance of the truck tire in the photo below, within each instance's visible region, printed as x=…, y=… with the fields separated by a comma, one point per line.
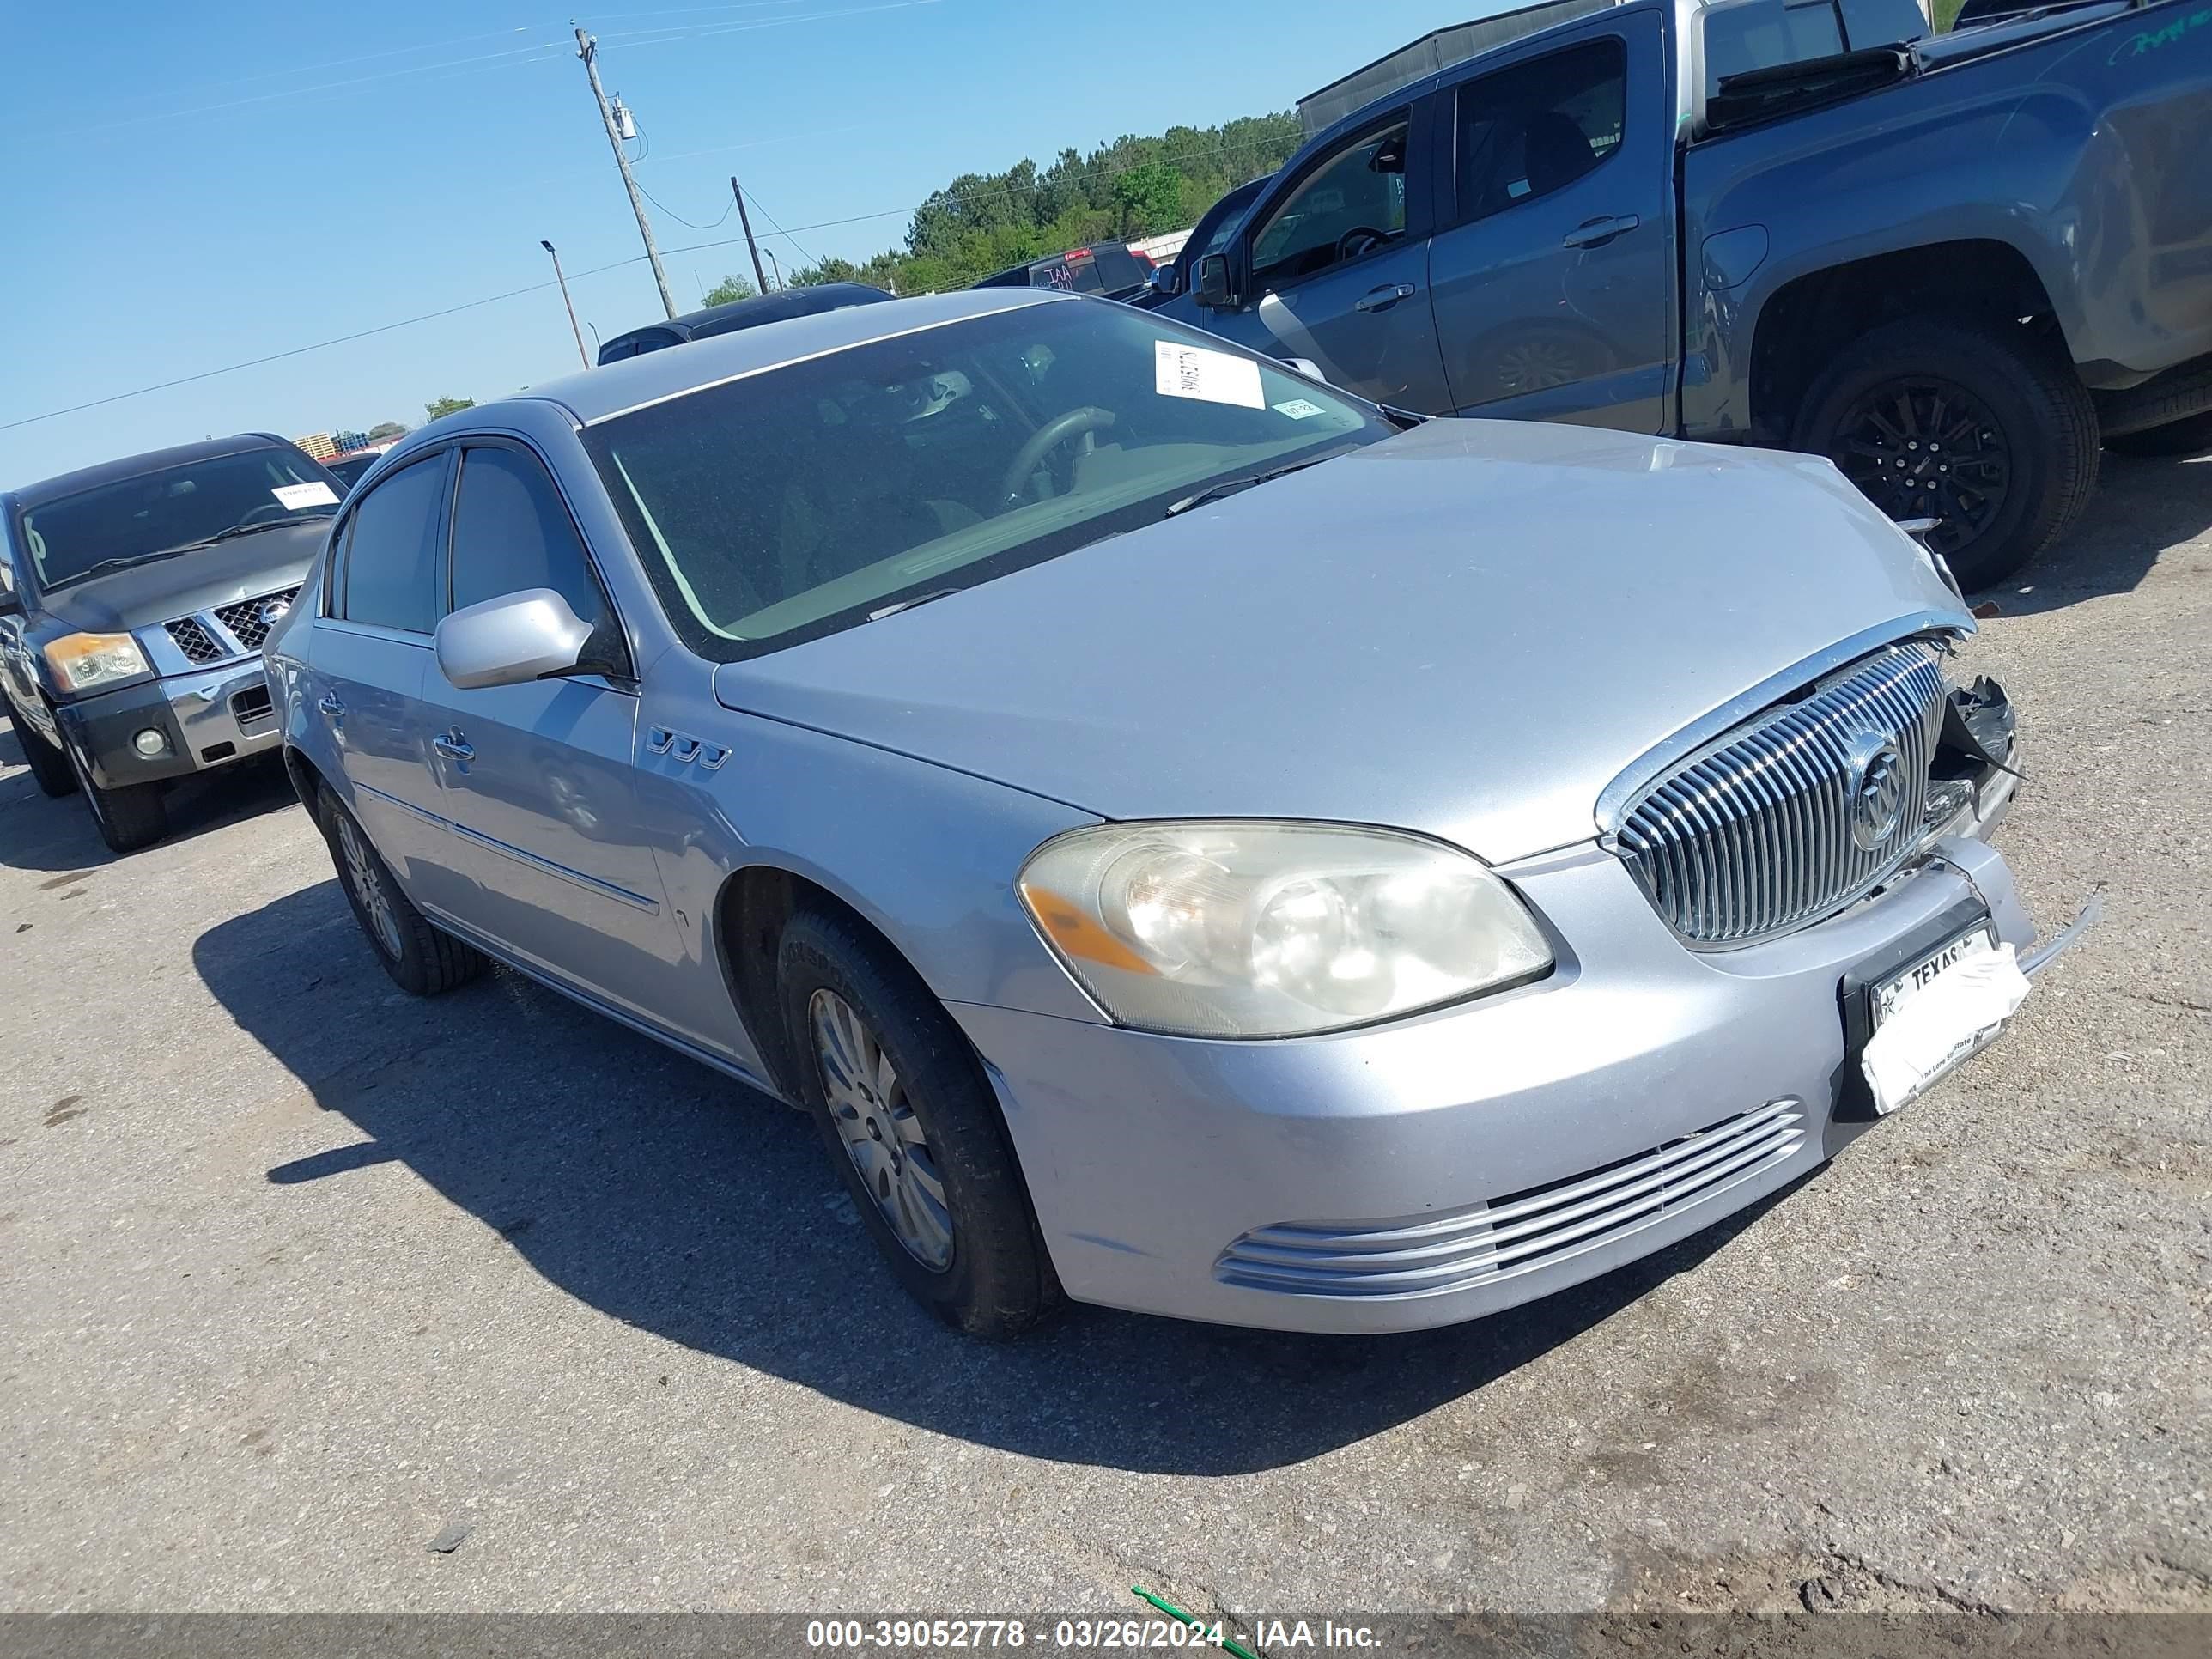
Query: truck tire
x=128, y=816
x=2167, y=399
x=2023, y=430
x=2191, y=436
x=50, y=767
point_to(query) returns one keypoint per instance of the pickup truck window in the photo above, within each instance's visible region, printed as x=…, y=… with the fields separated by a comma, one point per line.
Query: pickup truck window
x=1538, y=126
x=1353, y=202
x=1757, y=35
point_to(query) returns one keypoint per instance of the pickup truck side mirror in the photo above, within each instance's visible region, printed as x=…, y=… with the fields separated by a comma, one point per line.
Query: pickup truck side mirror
x=1167, y=280
x=1213, y=282
x=511, y=640
x=1307, y=366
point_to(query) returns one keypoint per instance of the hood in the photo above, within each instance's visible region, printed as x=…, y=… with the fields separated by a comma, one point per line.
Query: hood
x=150, y=594
x=1468, y=629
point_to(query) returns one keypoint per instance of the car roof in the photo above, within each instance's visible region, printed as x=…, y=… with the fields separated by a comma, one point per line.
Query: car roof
x=131, y=466
x=760, y=309
x=614, y=387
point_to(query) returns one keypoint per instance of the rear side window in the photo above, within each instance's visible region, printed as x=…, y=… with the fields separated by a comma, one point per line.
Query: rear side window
x=512, y=531
x=391, y=575
x=1539, y=127
x=1768, y=33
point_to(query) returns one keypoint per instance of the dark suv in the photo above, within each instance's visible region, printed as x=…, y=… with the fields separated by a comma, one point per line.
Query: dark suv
x=134, y=599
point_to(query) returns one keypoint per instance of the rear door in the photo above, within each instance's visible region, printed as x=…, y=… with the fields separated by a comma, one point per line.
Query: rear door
x=538, y=779
x=366, y=662
x=1554, y=275
x=1333, y=266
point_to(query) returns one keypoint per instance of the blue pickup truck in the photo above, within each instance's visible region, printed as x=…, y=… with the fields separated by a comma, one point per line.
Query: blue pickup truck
x=1955, y=265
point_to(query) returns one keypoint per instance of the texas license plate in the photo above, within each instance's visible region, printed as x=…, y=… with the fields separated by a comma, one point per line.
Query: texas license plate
x=1891, y=994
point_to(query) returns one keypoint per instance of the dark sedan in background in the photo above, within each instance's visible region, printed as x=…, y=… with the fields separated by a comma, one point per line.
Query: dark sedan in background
x=134, y=599
x=780, y=307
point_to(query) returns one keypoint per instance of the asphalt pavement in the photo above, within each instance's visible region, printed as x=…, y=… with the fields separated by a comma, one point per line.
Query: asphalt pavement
x=315, y=1297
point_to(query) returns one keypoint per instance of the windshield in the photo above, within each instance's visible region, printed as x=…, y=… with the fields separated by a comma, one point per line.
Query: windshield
x=793, y=503
x=171, y=508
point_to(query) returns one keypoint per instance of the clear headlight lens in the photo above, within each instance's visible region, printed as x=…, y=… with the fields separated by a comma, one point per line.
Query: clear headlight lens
x=85, y=662
x=1244, y=928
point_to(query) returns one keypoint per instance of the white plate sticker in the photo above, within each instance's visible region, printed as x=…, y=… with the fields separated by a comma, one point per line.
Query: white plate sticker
x=1298, y=408
x=1212, y=377
x=293, y=497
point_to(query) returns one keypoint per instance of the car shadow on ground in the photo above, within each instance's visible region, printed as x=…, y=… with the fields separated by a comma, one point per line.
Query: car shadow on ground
x=42, y=832
x=670, y=1198
x=2141, y=507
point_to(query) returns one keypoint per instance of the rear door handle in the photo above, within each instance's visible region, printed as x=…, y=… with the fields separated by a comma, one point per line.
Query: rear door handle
x=454, y=747
x=1597, y=233
x=1383, y=298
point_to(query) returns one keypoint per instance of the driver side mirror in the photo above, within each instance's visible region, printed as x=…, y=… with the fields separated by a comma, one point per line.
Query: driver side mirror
x=1213, y=282
x=511, y=640
x=1307, y=366
x=1167, y=280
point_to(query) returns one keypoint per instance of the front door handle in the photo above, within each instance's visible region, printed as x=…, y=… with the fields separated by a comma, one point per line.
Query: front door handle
x=1383, y=298
x=1597, y=233
x=454, y=747
x=331, y=706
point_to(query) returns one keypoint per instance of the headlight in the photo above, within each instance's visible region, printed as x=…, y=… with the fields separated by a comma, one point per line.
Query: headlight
x=85, y=662
x=1246, y=929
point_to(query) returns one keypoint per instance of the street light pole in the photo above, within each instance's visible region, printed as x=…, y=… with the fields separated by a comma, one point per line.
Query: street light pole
x=565, y=300
x=773, y=267
x=587, y=49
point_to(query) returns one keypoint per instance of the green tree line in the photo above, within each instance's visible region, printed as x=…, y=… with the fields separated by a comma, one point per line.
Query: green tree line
x=1133, y=187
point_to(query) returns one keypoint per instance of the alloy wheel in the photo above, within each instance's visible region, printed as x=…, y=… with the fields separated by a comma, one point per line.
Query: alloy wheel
x=1923, y=448
x=885, y=1140
x=367, y=884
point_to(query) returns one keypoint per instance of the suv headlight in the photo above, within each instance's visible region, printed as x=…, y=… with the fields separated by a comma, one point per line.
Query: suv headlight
x=85, y=662
x=1242, y=929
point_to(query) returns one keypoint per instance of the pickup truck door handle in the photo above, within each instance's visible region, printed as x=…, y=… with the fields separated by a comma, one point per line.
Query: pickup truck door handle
x=1597, y=233
x=1383, y=298
x=331, y=707
x=454, y=747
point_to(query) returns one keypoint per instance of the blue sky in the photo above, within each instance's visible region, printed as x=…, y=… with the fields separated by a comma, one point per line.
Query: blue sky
x=193, y=186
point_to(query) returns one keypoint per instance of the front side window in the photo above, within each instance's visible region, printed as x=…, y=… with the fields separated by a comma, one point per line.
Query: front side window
x=512, y=531
x=172, y=510
x=1355, y=202
x=1538, y=127
x=390, y=576
x=816, y=496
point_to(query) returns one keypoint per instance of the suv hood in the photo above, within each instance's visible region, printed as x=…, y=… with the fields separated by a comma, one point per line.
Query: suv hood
x=1469, y=630
x=153, y=593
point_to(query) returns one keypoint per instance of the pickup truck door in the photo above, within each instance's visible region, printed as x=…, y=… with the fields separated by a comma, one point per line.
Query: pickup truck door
x=1554, y=277
x=1332, y=266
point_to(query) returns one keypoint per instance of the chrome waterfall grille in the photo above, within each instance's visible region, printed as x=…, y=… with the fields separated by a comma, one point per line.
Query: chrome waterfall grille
x=1796, y=812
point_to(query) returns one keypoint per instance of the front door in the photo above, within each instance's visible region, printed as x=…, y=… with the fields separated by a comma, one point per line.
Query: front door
x=1334, y=267
x=538, y=779
x=1554, y=276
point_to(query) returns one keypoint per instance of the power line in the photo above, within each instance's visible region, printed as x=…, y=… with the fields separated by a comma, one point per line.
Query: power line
x=756, y=200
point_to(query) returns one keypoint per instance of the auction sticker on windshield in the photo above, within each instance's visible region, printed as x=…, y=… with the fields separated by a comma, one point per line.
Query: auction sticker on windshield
x=293, y=497
x=1213, y=377
x=1298, y=408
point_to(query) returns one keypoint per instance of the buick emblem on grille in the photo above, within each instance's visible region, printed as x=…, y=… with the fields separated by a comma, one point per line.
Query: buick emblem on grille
x=272, y=611
x=1874, y=787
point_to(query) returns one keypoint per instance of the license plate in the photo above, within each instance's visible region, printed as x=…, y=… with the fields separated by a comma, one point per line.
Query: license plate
x=1891, y=994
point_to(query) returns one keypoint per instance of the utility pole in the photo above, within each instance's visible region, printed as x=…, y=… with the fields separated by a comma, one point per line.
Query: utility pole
x=587, y=49
x=760, y=276
x=565, y=300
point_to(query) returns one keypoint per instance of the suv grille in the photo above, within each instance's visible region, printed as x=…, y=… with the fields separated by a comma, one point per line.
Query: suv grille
x=1779, y=822
x=195, y=641
x=243, y=619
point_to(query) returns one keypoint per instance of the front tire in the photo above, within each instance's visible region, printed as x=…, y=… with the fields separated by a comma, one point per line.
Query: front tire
x=50, y=766
x=422, y=961
x=129, y=815
x=1987, y=428
x=913, y=1128
x=2190, y=435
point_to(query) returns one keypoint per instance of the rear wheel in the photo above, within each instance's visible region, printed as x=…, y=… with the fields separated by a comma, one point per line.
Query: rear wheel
x=1985, y=428
x=50, y=766
x=2190, y=435
x=128, y=816
x=421, y=960
x=913, y=1129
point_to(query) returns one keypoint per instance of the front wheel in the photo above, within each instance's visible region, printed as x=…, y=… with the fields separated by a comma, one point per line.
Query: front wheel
x=50, y=766
x=128, y=816
x=1986, y=428
x=913, y=1129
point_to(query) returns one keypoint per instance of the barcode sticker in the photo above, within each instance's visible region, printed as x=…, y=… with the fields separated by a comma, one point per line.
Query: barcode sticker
x=1212, y=377
x=293, y=497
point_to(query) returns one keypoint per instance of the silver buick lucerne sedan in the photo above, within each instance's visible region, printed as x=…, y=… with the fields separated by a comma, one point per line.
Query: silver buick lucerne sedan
x=1193, y=840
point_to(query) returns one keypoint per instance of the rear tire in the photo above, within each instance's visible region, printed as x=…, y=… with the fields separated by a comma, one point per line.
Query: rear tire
x=128, y=817
x=422, y=960
x=2190, y=435
x=50, y=766
x=2021, y=424
x=919, y=1113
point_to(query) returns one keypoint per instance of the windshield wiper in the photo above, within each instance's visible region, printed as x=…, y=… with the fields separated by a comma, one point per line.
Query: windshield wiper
x=1214, y=492
x=237, y=530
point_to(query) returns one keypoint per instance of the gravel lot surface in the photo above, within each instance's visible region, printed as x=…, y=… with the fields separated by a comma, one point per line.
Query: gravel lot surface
x=315, y=1297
